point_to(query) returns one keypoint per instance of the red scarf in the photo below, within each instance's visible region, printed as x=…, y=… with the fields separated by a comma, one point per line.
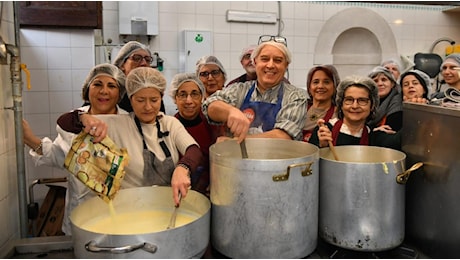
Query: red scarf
x=336, y=130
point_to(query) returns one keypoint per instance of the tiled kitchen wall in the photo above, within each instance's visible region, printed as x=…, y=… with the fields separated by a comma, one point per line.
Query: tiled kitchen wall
x=60, y=59
x=9, y=222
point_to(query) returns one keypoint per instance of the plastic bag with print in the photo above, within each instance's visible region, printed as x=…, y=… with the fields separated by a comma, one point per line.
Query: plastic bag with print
x=100, y=166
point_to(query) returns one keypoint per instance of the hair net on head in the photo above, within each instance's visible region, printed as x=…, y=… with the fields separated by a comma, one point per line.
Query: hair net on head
x=180, y=79
x=358, y=81
x=144, y=77
x=392, y=61
x=104, y=69
x=206, y=60
x=246, y=50
x=330, y=71
x=126, y=50
x=278, y=45
x=382, y=70
x=453, y=58
x=422, y=77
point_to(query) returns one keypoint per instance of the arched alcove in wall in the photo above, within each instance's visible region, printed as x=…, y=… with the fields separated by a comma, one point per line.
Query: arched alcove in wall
x=355, y=40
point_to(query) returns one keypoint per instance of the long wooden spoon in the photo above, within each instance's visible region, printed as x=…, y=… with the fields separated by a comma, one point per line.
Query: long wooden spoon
x=332, y=147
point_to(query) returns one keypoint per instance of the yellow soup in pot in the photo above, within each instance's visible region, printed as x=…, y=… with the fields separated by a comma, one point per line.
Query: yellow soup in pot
x=136, y=222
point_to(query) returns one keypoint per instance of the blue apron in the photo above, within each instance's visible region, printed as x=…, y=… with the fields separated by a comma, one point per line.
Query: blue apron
x=261, y=114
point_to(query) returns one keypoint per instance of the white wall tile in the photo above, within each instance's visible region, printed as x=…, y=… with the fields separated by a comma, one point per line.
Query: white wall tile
x=221, y=7
x=82, y=58
x=168, y=22
x=111, y=5
x=186, y=21
x=35, y=38
x=186, y=7
x=167, y=6
x=59, y=80
x=39, y=123
x=59, y=58
x=110, y=19
x=220, y=25
x=61, y=101
x=78, y=77
x=204, y=7
x=36, y=102
x=57, y=38
x=204, y=21
x=34, y=57
x=38, y=80
x=77, y=100
x=82, y=38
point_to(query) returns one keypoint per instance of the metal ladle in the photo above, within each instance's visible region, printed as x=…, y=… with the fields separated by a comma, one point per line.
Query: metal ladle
x=244, y=152
x=172, y=221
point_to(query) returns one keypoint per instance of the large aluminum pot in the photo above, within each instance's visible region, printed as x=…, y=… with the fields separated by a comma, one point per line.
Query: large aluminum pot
x=362, y=197
x=187, y=241
x=265, y=206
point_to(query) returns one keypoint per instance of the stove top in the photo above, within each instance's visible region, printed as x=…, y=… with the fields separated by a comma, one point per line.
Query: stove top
x=61, y=247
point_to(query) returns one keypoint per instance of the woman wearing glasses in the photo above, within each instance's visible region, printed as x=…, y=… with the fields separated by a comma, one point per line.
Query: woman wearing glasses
x=133, y=55
x=357, y=102
x=212, y=73
x=187, y=91
x=266, y=107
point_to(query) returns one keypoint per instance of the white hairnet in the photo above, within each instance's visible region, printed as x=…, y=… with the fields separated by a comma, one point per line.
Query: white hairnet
x=358, y=81
x=126, y=50
x=382, y=70
x=453, y=58
x=145, y=77
x=180, y=79
x=392, y=61
x=206, y=60
x=422, y=77
x=109, y=70
x=247, y=50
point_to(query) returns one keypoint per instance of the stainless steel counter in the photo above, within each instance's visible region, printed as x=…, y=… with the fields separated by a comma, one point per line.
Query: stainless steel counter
x=55, y=247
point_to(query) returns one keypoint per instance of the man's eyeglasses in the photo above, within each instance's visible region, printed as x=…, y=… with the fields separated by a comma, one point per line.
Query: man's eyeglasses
x=351, y=101
x=267, y=38
x=213, y=73
x=182, y=96
x=138, y=58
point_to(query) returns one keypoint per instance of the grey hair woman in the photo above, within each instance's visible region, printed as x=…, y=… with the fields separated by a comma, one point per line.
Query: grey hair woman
x=357, y=102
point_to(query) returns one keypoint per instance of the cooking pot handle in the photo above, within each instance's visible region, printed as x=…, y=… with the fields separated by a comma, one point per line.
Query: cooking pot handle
x=404, y=176
x=92, y=247
x=284, y=177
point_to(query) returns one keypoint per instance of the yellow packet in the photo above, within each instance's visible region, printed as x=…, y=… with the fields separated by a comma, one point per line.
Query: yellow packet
x=100, y=166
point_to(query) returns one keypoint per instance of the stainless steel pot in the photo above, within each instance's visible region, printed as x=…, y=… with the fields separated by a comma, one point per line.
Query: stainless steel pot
x=265, y=206
x=362, y=197
x=187, y=241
